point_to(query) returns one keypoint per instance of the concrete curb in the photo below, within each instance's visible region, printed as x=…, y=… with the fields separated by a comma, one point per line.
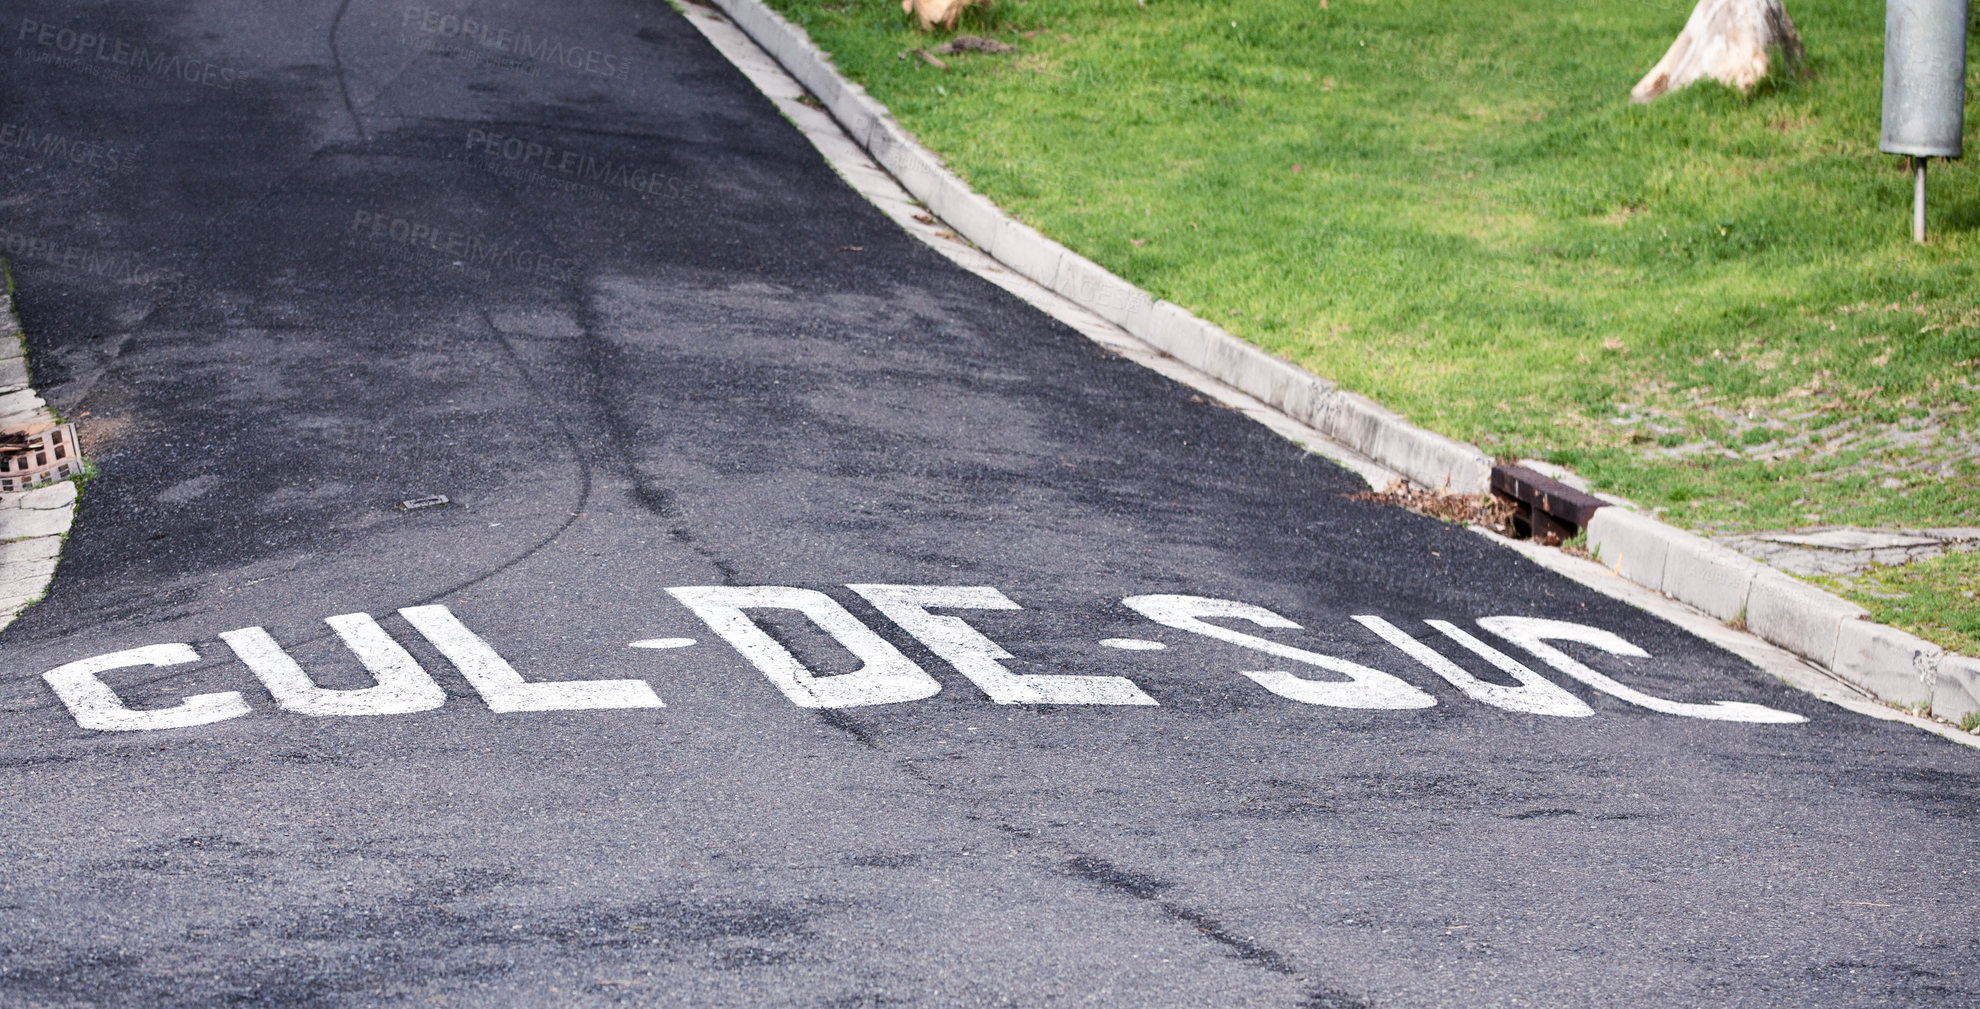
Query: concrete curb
x=32, y=523
x=1821, y=627
x=1815, y=625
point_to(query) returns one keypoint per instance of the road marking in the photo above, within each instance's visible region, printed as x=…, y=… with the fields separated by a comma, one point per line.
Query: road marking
x=503, y=688
x=1366, y=687
x=887, y=677
x=1535, y=695
x=96, y=706
x=976, y=656
x=403, y=687
x=1533, y=633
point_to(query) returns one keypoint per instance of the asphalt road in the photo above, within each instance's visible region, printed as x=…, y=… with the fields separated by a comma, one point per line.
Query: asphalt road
x=297, y=263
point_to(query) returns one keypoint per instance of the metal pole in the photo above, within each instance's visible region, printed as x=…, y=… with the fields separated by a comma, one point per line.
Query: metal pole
x=1918, y=200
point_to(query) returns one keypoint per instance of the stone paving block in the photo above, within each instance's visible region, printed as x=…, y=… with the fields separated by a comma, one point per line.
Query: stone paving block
x=1632, y=544
x=40, y=548
x=55, y=495
x=20, y=401
x=1887, y=662
x=20, y=523
x=1707, y=575
x=1797, y=616
x=13, y=374
x=25, y=579
x=1842, y=550
x=1956, y=687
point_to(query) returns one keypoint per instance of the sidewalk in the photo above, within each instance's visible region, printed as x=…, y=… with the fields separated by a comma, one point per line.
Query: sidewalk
x=32, y=523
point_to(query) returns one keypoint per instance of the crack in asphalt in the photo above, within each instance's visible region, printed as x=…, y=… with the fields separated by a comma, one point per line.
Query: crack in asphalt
x=343, y=81
x=576, y=510
x=1057, y=855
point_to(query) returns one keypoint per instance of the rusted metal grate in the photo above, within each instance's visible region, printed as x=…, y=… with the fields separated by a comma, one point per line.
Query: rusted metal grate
x=28, y=461
x=1545, y=509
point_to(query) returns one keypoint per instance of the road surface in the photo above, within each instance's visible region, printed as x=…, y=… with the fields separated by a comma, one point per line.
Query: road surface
x=809, y=623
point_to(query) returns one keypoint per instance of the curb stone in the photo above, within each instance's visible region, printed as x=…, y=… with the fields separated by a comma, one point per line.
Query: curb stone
x=1778, y=662
x=32, y=523
x=1814, y=625
x=1957, y=685
x=1887, y=662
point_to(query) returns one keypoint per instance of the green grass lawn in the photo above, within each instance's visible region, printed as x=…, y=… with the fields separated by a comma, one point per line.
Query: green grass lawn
x=1936, y=598
x=1709, y=304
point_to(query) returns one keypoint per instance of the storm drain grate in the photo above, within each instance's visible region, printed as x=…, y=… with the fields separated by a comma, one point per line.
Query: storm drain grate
x=1545, y=509
x=28, y=461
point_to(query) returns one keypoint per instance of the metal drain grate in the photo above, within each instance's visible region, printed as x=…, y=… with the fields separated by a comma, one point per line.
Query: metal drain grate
x=1545, y=509
x=28, y=461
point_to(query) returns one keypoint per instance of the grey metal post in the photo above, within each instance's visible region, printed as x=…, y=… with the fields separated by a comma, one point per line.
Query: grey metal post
x=1918, y=200
x=1924, y=87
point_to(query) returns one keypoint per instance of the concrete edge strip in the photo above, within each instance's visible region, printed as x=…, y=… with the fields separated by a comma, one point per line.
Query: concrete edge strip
x=1823, y=628
x=33, y=524
x=1779, y=662
x=861, y=140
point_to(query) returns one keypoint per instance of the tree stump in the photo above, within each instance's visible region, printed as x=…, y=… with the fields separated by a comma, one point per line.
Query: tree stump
x=1727, y=40
x=936, y=12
